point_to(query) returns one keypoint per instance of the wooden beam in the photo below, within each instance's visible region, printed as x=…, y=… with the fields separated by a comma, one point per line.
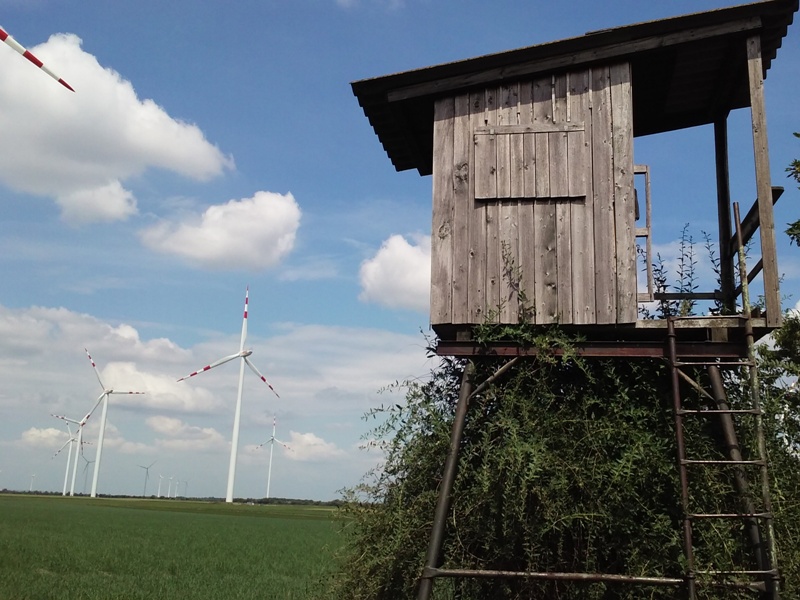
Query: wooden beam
x=751, y=222
x=727, y=281
x=565, y=61
x=763, y=182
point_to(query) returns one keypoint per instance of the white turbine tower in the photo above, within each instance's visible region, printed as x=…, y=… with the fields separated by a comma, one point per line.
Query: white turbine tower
x=79, y=439
x=160, y=478
x=85, y=470
x=271, y=441
x=243, y=354
x=30, y=488
x=70, y=442
x=169, y=487
x=146, y=476
x=104, y=399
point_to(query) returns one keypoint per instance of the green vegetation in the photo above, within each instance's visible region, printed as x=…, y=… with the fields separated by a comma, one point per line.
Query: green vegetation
x=105, y=549
x=568, y=465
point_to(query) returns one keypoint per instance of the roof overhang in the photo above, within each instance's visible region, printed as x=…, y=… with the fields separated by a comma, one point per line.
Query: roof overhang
x=688, y=70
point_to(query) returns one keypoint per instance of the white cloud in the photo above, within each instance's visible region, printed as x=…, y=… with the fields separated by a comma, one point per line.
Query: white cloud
x=79, y=148
x=252, y=233
x=44, y=437
x=308, y=447
x=181, y=436
x=106, y=203
x=398, y=276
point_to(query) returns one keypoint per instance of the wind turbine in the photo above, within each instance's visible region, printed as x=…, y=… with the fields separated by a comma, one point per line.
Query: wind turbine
x=243, y=354
x=30, y=489
x=79, y=440
x=104, y=399
x=19, y=48
x=69, y=442
x=85, y=470
x=160, y=477
x=271, y=441
x=169, y=487
x=146, y=476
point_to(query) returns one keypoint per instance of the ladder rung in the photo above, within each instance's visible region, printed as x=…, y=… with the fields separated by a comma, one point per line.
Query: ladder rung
x=772, y=572
x=711, y=363
x=724, y=462
x=763, y=515
x=727, y=411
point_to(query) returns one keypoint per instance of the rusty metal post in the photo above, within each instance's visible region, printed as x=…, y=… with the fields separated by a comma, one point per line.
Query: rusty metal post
x=734, y=452
x=691, y=583
x=772, y=583
x=446, y=487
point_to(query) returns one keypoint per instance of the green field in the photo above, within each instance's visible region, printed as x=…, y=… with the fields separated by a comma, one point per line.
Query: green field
x=105, y=549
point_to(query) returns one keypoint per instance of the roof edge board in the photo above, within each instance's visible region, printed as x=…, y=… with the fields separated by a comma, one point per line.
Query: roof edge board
x=564, y=61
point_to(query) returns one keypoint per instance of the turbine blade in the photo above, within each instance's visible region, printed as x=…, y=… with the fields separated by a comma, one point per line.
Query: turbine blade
x=244, y=318
x=69, y=441
x=221, y=361
x=118, y=392
x=89, y=414
x=24, y=52
x=284, y=444
x=63, y=418
x=264, y=379
x=94, y=366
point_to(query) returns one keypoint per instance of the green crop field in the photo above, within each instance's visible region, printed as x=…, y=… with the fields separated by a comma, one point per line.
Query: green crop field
x=105, y=549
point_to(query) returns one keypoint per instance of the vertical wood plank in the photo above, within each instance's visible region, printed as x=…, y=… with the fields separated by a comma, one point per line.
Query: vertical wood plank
x=603, y=189
x=485, y=165
x=462, y=135
x=546, y=278
x=443, y=204
x=763, y=183
x=507, y=114
x=527, y=208
x=559, y=188
x=477, y=223
x=577, y=158
x=582, y=211
x=493, y=275
x=557, y=159
x=624, y=210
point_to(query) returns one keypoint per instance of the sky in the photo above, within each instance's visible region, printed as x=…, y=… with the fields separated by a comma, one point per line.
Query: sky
x=213, y=147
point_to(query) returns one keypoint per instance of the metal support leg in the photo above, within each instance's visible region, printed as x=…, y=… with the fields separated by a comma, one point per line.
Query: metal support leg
x=691, y=584
x=446, y=487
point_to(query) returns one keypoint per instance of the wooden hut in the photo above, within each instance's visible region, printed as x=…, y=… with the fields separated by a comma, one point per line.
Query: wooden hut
x=531, y=153
x=534, y=221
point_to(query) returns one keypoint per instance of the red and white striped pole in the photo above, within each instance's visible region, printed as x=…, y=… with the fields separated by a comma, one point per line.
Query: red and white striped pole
x=21, y=49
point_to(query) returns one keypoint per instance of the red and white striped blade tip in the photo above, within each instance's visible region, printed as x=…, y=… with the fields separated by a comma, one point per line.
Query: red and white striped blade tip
x=9, y=40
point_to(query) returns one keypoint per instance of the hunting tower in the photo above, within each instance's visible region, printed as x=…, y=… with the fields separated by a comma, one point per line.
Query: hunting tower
x=536, y=215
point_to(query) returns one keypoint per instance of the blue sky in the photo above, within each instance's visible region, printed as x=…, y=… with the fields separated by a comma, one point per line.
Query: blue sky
x=211, y=148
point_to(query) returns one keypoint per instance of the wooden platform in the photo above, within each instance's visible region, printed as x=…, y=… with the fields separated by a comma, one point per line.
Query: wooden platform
x=701, y=337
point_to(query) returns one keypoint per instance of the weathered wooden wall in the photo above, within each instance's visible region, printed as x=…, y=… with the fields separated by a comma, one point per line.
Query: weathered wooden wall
x=533, y=206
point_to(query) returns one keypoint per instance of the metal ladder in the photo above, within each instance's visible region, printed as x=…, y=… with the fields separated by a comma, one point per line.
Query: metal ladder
x=757, y=521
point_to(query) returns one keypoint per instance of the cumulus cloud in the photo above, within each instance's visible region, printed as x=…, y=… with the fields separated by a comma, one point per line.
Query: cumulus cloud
x=183, y=437
x=80, y=148
x=398, y=276
x=307, y=447
x=252, y=233
x=44, y=437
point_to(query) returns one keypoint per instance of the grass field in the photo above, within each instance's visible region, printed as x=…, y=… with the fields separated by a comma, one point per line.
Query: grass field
x=106, y=549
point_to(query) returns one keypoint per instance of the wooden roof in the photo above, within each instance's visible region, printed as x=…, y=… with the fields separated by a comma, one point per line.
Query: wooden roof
x=687, y=71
